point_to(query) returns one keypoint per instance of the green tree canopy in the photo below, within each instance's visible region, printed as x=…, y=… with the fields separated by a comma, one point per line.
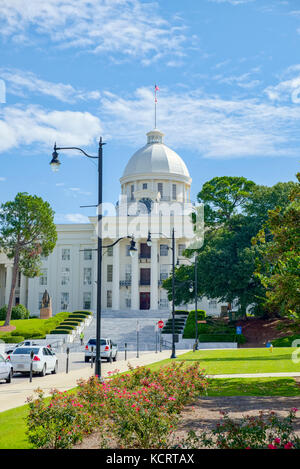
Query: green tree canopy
x=27, y=231
x=235, y=210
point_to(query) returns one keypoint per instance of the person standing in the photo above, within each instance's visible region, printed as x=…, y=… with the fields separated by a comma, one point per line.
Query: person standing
x=81, y=338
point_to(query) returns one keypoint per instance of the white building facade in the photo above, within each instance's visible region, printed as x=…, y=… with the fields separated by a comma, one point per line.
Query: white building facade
x=155, y=197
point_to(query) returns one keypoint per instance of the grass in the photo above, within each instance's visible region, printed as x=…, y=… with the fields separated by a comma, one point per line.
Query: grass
x=269, y=387
x=233, y=361
x=36, y=326
x=13, y=426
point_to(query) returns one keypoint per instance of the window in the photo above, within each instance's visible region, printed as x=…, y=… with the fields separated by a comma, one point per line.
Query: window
x=87, y=254
x=110, y=251
x=181, y=248
x=109, y=298
x=164, y=303
x=87, y=276
x=128, y=250
x=64, y=301
x=87, y=300
x=43, y=277
x=109, y=273
x=145, y=251
x=164, y=272
x=174, y=195
x=128, y=302
x=40, y=299
x=65, y=276
x=160, y=188
x=132, y=192
x=212, y=305
x=65, y=254
x=128, y=272
x=164, y=249
x=145, y=185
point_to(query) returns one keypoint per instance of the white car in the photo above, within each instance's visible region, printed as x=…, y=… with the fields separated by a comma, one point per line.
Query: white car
x=108, y=350
x=44, y=360
x=32, y=343
x=6, y=369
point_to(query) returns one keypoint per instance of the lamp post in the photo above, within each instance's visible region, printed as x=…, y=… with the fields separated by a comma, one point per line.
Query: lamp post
x=55, y=164
x=194, y=287
x=149, y=243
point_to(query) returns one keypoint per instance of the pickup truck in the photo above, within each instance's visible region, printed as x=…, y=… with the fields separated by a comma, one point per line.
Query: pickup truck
x=27, y=343
x=108, y=350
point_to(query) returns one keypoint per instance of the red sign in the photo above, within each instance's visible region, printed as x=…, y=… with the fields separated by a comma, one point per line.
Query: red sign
x=160, y=324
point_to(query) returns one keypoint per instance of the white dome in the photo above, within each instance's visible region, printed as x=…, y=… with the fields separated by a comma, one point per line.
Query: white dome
x=157, y=159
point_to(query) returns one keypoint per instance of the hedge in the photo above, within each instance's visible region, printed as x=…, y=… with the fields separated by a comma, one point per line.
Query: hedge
x=86, y=313
x=65, y=327
x=240, y=339
x=12, y=339
x=285, y=341
x=60, y=331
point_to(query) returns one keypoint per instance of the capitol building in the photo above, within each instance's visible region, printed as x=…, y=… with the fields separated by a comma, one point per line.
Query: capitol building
x=155, y=198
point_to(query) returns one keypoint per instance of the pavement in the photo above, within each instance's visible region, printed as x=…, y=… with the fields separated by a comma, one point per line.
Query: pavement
x=15, y=394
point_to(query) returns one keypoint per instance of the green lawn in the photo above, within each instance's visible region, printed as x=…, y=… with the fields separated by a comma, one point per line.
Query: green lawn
x=12, y=423
x=284, y=387
x=260, y=360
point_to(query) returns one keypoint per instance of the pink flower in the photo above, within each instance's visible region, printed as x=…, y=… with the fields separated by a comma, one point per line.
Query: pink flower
x=277, y=441
x=289, y=445
x=270, y=446
x=294, y=409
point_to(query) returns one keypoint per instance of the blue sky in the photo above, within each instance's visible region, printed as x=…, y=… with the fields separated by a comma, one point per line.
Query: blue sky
x=229, y=99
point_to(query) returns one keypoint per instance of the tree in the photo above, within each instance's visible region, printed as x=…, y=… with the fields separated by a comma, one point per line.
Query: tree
x=27, y=231
x=278, y=266
x=235, y=210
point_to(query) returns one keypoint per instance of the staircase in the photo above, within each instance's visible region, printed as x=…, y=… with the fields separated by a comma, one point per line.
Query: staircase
x=121, y=328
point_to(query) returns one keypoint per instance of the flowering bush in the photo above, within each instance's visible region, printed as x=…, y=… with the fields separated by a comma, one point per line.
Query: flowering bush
x=58, y=424
x=266, y=431
x=137, y=409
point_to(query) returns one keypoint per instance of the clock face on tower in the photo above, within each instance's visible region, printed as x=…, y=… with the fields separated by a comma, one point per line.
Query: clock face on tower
x=145, y=205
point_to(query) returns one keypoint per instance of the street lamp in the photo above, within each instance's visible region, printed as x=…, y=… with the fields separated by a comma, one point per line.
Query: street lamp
x=55, y=164
x=149, y=243
x=194, y=286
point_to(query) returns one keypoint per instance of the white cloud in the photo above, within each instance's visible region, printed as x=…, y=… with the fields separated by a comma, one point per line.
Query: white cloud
x=71, y=218
x=232, y=2
x=35, y=125
x=131, y=28
x=210, y=125
x=287, y=89
x=19, y=82
x=2, y=179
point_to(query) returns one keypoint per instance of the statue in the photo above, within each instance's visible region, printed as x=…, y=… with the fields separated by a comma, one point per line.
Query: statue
x=45, y=299
x=46, y=309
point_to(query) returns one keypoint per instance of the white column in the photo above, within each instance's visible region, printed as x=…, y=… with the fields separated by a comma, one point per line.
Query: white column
x=116, y=278
x=23, y=290
x=8, y=282
x=154, y=276
x=135, y=300
x=95, y=273
x=76, y=290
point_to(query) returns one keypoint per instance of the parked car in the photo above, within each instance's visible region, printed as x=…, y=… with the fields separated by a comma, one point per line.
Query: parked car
x=27, y=343
x=6, y=369
x=44, y=360
x=108, y=350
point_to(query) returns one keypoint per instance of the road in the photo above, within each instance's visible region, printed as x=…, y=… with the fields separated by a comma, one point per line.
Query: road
x=76, y=362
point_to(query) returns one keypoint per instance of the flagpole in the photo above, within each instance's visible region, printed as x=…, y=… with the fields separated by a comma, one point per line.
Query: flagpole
x=155, y=101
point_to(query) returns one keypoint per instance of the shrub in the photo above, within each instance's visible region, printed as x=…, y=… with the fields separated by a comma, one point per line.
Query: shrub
x=9, y=339
x=18, y=312
x=285, y=341
x=59, y=424
x=189, y=330
x=60, y=331
x=135, y=410
x=266, y=431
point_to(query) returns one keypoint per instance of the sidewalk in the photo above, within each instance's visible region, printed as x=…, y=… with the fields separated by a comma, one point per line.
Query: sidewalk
x=15, y=394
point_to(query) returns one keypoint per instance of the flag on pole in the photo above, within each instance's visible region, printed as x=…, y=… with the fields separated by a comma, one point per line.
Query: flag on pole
x=156, y=88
